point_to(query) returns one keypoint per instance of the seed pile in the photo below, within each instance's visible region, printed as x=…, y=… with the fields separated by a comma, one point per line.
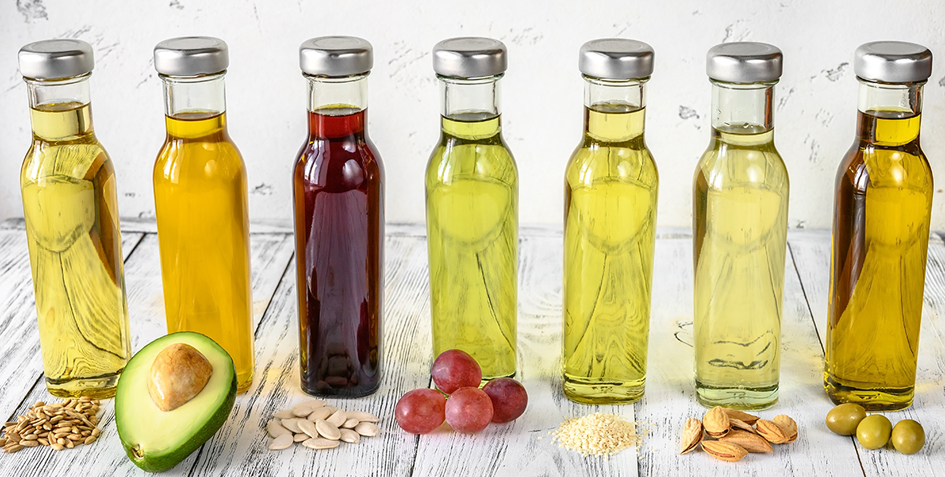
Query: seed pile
x=61, y=426
x=319, y=426
x=730, y=435
x=598, y=434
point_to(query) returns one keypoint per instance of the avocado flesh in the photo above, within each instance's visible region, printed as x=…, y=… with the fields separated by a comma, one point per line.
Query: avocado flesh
x=156, y=440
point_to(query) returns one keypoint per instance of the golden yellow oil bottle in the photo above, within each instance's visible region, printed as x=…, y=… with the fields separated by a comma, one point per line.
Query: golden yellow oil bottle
x=472, y=211
x=611, y=189
x=70, y=204
x=200, y=198
x=740, y=206
x=880, y=235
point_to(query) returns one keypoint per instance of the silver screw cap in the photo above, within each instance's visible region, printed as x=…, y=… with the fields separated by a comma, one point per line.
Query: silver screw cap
x=336, y=56
x=892, y=62
x=616, y=59
x=744, y=62
x=55, y=59
x=191, y=56
x=470, y=57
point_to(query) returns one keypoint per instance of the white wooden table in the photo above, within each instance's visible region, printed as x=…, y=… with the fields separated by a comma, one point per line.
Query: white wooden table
x=522, y=448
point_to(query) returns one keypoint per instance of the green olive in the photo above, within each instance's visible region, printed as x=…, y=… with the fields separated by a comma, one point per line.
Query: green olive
x=844, y=418
x=908, y=437
x=873, y=431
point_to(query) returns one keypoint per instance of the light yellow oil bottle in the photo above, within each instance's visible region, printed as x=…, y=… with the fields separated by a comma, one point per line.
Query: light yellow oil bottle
x=740, y=237
x=881, y=236
x=200, y=199
x=472, y=230
x=611, y=185
x=70, y=204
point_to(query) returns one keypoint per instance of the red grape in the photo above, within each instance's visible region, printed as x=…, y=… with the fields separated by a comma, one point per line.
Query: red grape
x=454, y=369
x=421, y=411
x=509, y=399
x=468, y=410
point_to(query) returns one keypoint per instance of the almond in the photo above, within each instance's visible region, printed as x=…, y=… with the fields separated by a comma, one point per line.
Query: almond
x=749, y=441
x=724, y=450
x=716, y=422
x=771, y=431
x=787, y=425
x=738, y=424
x=741, y=416
x=691, y=435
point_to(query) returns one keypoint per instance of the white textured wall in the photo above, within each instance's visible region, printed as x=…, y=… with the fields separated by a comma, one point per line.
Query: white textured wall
x=816, y=99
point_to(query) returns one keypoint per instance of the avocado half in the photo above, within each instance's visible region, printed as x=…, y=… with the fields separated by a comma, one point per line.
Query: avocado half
x=157, y=440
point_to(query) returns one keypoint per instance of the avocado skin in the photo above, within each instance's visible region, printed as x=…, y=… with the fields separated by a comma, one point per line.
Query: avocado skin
x=160, y=463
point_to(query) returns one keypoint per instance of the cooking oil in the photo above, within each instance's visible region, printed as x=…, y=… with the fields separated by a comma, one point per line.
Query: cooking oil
x=609, y=239
x=200, y=196
x=70, y=204
x=472, y=233
x=740, y=210
x=881, y=236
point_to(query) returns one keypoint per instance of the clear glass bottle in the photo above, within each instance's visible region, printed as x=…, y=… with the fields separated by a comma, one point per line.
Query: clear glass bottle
x=70, y=203
x=611, y=189
x=880, y=235
x=472, y=210
x=200, y=200
x=338, y=190
x=740, y=207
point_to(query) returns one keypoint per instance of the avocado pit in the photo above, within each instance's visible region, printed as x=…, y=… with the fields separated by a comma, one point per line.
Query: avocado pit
x=178, y=374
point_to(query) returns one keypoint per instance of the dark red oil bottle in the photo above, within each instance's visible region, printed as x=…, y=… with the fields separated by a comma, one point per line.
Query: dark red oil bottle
x=339, y=228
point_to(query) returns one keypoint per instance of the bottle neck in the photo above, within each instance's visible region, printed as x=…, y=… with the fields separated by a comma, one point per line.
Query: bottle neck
x=472, y=99
x=743, y=108
x=189, y=97
x=889, y=114
x=60, y=109
x=337, y=106
x=614, y=110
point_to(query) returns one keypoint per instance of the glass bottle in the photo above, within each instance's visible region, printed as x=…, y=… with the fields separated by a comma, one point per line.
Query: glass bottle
x=70, y=203
x=611, y=185
x=200, y=201
x=880, y=235
x=740, y=207
x=472, y=210
x=338, y=191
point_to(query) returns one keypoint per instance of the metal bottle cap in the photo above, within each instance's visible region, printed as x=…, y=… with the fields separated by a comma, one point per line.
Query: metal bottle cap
x=470, y=57
x=191, y=56
x=892, y=62
x=616, y=59
x=336, y=56
x=55, y=59
x=743, y=62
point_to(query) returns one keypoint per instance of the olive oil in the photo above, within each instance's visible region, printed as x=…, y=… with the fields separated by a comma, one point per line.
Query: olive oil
x=878, y=259
x=611, y=185
x=740, y=237
x=472, y=233
x=70, y=204
x=200, y=197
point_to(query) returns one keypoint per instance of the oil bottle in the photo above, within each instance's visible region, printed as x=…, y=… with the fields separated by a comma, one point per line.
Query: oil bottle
x=338, y=189
x=740, y=207
x=200, y=201
x=611, y=185
x=882, y=213
x=472, y=210
x=70, y=203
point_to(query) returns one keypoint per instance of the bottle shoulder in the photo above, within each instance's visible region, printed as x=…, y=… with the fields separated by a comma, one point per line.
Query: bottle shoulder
x=868, y=165
x=591, y=162
x=722, y=167
x=78, y=159
x=457, y=158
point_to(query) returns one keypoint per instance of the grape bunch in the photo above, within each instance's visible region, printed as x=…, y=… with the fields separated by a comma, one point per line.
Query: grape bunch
x=459, y=401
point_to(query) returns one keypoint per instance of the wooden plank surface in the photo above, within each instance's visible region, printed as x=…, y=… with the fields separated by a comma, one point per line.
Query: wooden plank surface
x=812, y=254
x=521, y=448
